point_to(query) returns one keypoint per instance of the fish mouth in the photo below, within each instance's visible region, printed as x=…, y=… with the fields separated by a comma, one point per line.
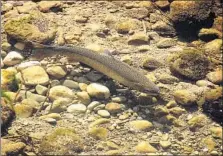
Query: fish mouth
x=155, y=91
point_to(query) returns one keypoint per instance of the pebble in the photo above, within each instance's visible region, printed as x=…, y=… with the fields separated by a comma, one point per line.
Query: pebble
x=98, y=133
x=99, y=122
x=45, y=6
x=56, y=71
x=204, y=83
x=138, y=39
x=215, y=76
x=83, y=86
x=141, y=125
x=84, y=97
x=119, y=99
x=151, y=63
x=20, y=45
x=145, y=147
x=55, y=116
x=166, y=43
x=6, y=46
x=58, y=106
x=55, y=83
x=113, y=107
x=61, y=92
x=23, y=111
x=99, y=91
x=103, y=113
x=50, y=120
x=71, y=84
x=184, y=97
x=216, y=132
x=12, y=58
x=177, y=111
x=171, y=104
x=197, y=121
x=24, y=65
x=77, y=108
x=42, y=90
x=92, y=105
x=165, y=144
x=94, y=76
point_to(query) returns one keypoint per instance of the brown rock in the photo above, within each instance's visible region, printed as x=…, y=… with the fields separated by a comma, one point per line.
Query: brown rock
x=113, y=107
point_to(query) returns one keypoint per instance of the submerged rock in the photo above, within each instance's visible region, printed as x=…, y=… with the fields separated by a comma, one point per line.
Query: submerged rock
x=98, y=133
x=12, y=148
x=145, y=147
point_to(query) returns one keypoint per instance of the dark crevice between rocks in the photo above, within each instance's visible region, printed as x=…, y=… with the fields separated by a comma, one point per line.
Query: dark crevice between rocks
x=188, y=30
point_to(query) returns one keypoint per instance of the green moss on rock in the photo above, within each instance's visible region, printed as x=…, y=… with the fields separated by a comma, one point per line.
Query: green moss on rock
x=98, y=133
x=190, y=63
x=63, y=141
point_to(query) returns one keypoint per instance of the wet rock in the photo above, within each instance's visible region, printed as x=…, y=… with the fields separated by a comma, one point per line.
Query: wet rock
x=146, y=4
x=23, y=111
x=184, y=97
x=71, y=84
x=11, y=148
x=6, y=46
x=58, y=106
x=92, y=105
x=119, y=99
x=162, y=4
x=46, y=6
x=168, y=119
x=11, y=14
x=24, y=65
x=154, y=36
x=6, y=7
x=209, y=34
x=55, y=116
x=168, y=79
x=166, y=43
x=99, y=122
x=209, y=143
x=165, y=144
x=141, y=125
x=27, y=7
x=161, y=111
x=185, y=64
x=98, y=91
x=8, y=81
x=83, y=86
x=61, y=141
x=77, y=108
x=215, y=76
x=218, y=23
x=103, y=113
x=204, y=83
x=35, y=75
x=27, y=28
x=213, y=49
x=145, y=147
x=61, y=92
x=138, y=13
x=56, y=71
x=42, y=90
x=162, y=28
x=36, y=97
x=216, y=132
x=83, y=97
x=7, y=112
x=151, y=63
x=81, y=19
x=177, y=111
x=127, y=59
x=171, y=104
x=138, y=39
x=213, y=94
x=98, y=133
x=113, y=107
x=31, y=102
x=124, y=27
x=197, y=121
x=12, y=58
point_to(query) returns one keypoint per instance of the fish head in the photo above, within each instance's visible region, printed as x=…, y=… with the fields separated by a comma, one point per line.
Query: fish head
x=149, y=88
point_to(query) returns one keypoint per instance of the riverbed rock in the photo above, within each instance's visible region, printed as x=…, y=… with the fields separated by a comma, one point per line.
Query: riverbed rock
x=184, y=97
x=61, y=92
x=99, y=91
x=12, y=58
x=145, y=147
x=11, y=148
x=141, y=125
x=56, y=71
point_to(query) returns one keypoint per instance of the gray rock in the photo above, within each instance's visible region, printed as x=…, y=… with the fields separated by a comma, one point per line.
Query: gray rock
x=71, y=84
x=103, y=113
x=55, y=83
x=166, y=43
x=92, y=105
x=94, y=76
x=42, y=90
x=77, y=108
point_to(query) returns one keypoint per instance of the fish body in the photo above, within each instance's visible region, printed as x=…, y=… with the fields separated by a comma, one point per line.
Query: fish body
x=106, y=64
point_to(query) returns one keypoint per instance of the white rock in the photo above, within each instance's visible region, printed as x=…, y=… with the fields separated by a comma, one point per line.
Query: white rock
x=12, y=58
x=28, y=64
x=77, y=108
x=92, y=105
x=98, y=91
x=56, y=71
x=61, y=92
x=103, y=113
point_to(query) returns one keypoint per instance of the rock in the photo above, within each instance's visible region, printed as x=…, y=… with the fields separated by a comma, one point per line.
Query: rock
x=213, y=94
x=71, y=84
x=141, y=125
x=92, y=105
x=24, y=65
x=6, y=7
x=144, y=48
x=209, y=143
x=98, y=133
x=162, y=28
x=185, y=64
x=166, y=43
x=154, y=36
x=23, y=111
x=165, y=144
x=84, y=98
x=7, y=113
x=99, y=122
x=103, y=113
x=162, y=4
x=216, y=132
x=58, y=106
x=213, y=49
x=215, y=76
x=95, y=47
x=11, y=148
x=20, y=45
x=27, y=7
x=81, y=19
x=28, y=28
x=35, y=75
x=77, y=108
x=124, y=27
x=204, y=83
x=177, y=111
x=146, y=4
x=99, y=91
x=151, y=77
x=12, y=58
x=197, y=121
x=6, y=46
x=138, y=39
x=217, y=23
x=42, y=90
x=61, y=92
x=138, y=13
x=83, y=86
x=36, y=97
x=184, y=97
x=61, y=142
x=208, y=34
x=55, y=83
x=113, y=152
x=151, y=63
x=145, y=147
x=99, y=107
x=55, y=116
x=168, y=119
x=127, y=59
x=46, y=6
x=119, y=99
x=8, y=81
x=31, y=102
x=94, y=76
x=161, y=111
x=214, y=153
x=11, y=14
x=184, y=11
x=171, y=104
x=56, y=71
x=50, y=121
x=168, y=79
x=113, y=107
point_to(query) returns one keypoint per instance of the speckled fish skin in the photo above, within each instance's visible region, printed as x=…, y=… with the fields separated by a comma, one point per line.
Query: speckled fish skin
x=103, y=63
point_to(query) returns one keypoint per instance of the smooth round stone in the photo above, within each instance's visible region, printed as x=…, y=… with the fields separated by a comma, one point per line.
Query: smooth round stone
x=28, y=64
x=56, y=71
x=99, y=91
x=61, y=92
x=50, y=120
x=42, y=90
x=92, y=105
x=77, y=108
x=84, y=97
x=12, y=58
x=103, y=113
x=71, y=84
